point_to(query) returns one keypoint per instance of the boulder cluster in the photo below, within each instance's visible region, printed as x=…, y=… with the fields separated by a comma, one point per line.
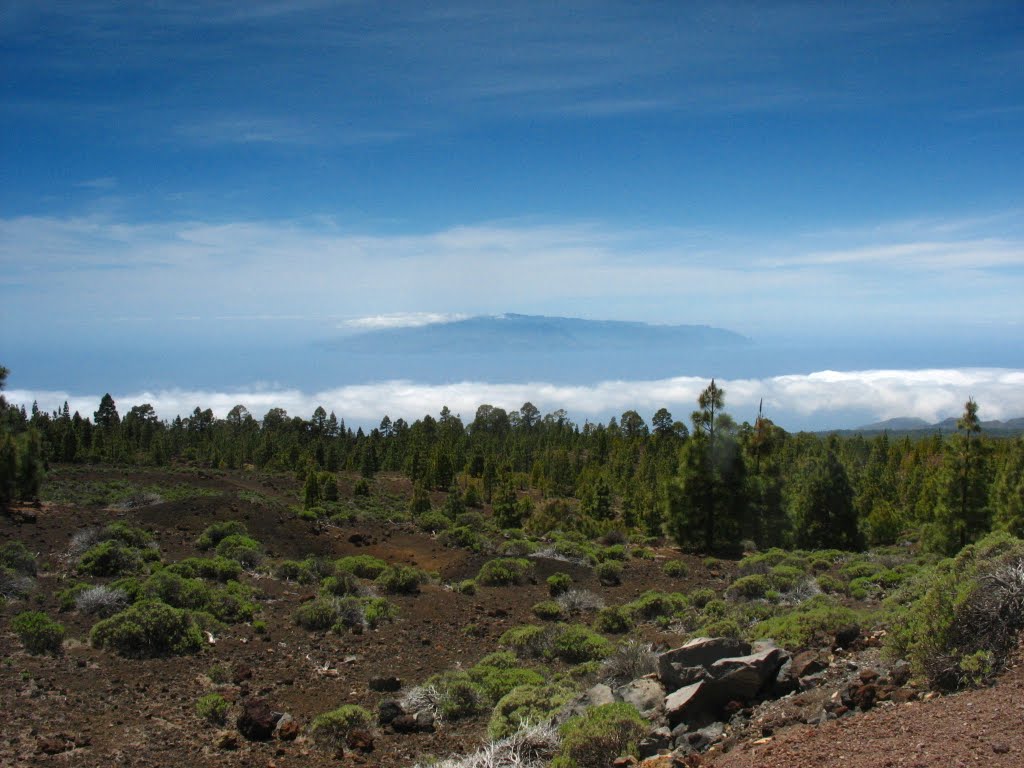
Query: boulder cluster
x=709, y=688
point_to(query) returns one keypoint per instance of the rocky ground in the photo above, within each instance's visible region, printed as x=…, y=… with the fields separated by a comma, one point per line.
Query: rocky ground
x=86, y=707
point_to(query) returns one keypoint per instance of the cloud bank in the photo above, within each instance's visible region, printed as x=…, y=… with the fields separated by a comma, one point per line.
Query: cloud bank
x=928, y=394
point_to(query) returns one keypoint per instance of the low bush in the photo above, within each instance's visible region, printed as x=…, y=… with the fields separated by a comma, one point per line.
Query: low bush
x=331, y=729
x=516, y=548
x=212, y=568
x=433, y=521
x=110, y=558
x=316, y=615
x=14, y=584
x=466, y=587
x=578, y=601
x=601, y=734
x=401, y=579
x=217, y=532
x=504, y=572
x=213, y=708
x=962, y=619
x=38, y=632
x=526, y=705
x=294, y=570
x=344, y=613
x=559, y=583
x=724, y=627
x=653, y=605
x=128, y=535
x=575, y=643
x=699, y=598
x=243, y=549
x=342, y=584
x=547, y=610
x=102, y=601
x=146, y=629
x=613, y=621
x=361, y=566
x=17, y=557
x=749, y=587
x=609, y=573
x=630, y=660
x=809, y=624
x=676, y=569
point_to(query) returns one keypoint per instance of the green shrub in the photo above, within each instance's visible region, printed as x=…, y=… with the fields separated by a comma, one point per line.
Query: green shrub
x=575, y=643
x=38, y=632
x=858, y=569
x=434, y=521
x=961, y=620
x=614, y=552
x=830, y=584
x=749, y=587
x=342, y=584
x=676, y=569
x=516, y=548
x=233, y=603
x=504, y=572
x=642, y=553
x=464, y=537
x=785, y=577
x=316, y=615
x=110, y=558
x=361, y=487
x=601, y=734
x=176, y=591
x=148, y=628
x=127, y=535
x=609, y=573
x=293, y=570
x=241, y=548
x=217, y=532
x=699, y=598
x=212, y=568
x=377, y=610
x=559, y=583
x=526, y=640
x=213, y=708
x=331, y=729
x=725, y=627
x=16, y=556
x=547, y=610
x=361, y=566
x=762, y=562
x=67, y=597
x=811, y=623
x=401, y=579
x=652, y=605
x=527, y=704
x=613, y=620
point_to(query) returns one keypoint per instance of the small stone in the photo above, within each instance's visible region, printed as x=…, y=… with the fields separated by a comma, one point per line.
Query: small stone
x=1000, y=748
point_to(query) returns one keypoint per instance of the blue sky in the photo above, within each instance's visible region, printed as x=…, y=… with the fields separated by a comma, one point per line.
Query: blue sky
x=228, y=176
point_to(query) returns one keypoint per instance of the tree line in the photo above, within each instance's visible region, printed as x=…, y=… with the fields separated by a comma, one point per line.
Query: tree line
x=711, y=484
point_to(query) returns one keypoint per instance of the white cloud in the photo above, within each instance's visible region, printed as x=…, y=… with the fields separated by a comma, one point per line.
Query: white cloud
x=72, y=267
x=928, y=394
x=401, y=320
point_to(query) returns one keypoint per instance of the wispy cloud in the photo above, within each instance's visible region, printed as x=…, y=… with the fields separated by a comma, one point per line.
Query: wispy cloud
x=400, y=320
x=821, y=397
x=71, y=267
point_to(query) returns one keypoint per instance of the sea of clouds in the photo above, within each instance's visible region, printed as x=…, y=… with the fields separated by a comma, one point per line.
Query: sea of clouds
x=820, y=398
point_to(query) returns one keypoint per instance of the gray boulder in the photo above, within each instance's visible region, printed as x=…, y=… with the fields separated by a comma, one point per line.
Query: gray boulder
x=691, y=704
x=742, y=678
x=647, y=695
x=679, y=667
